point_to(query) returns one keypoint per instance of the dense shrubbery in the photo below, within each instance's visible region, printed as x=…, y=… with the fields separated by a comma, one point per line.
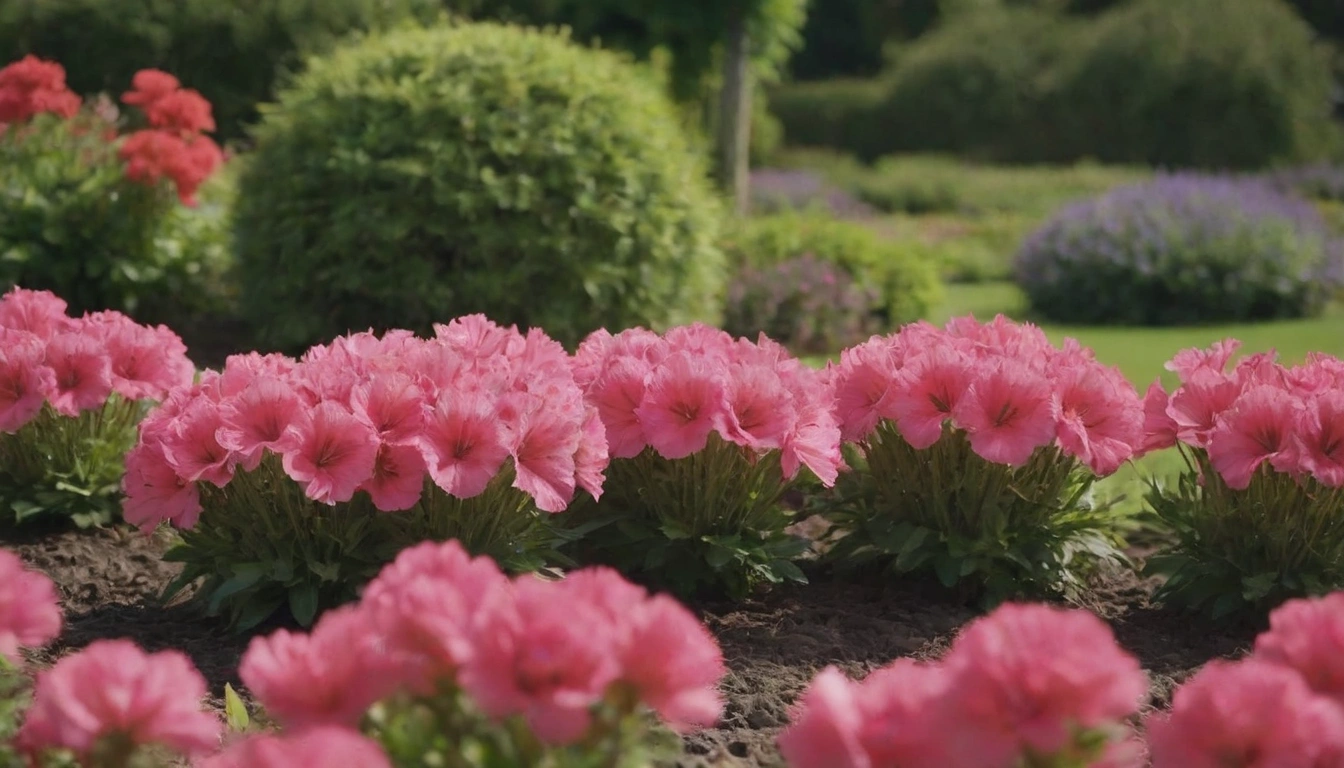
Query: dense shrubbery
x=232, y=54
x=832, y=113
x=908, y=283
x=1181, y=249
x=808, y=305
x=476, y=168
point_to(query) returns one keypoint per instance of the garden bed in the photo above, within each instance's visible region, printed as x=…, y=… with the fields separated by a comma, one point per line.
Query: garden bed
x=774, y=643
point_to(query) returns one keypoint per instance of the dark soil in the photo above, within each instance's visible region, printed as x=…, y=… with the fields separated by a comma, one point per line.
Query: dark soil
x=109, y=581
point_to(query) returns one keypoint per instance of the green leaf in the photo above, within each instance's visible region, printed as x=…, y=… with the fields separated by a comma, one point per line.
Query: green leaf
x=718, y=556
x=1227, y=604
x=1256, y=588
x=235, y=711
x=948, y=569
x=303, y=603
x=255, y=611
x=675, y=532
x=787, y=569
x=245, y=576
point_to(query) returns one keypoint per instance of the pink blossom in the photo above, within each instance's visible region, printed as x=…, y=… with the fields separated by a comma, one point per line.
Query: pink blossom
x=146, y=362
x=1247, y=714
x=825, y=724
x=1308, y=636
x=1027, y=675
x=685, y=396
x=192, y=447
x=256, y=419
x=699, y=339
x=83, y=373
x=29, y=614
x=1320, y=436
x=398, y=478
x=475, y=335
x=543, y=456
x=1159, y=429
x=760, y=413
x=392, y=404
x=591, y=458
x=1006, y=413
x=1188, y=362
x=1098, y=417
x=25, y=382
x=674, y=663
x=329, y=677
x=1197, y=404
x=41, y=313
x=330, y=453
x=241, y=370
x=325, y=746
x=155, y=493
x=862, y=383
x=462, y=444
x=814, y=443
x=113, y=689
x=1258, y=428
x=905, y=721
x=617, y=392
x=928, y=388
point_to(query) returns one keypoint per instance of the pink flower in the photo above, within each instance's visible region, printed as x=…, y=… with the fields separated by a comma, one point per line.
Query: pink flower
x=682, y=402
x=1188, y=362
x=928, y=388
x=113, y=689
x=1027, y=675
x=462, y=444
x=1098, y=417
x=392, y=404
x=1006, y=412
x=329, y=677
x=862, y=383
x=1247, y=714
x=1197, y=404
x=29, y=614
x=825, y=724
x=1257, y=428
x=41, y=313
x=325, y=746
x=192, y=448
x=257, y=418
x=674, y=663
x=904, y=719
x=146, y=362
x=1320, y=435
x=330, y=453
x=617, y=392
x=155, y=493
x=814, y=443
x=543, y=457
x=760, y=412
x=1159, y=429
x=25, y=382
x=83, y=373
x=1308, y=637
x=398, y=478
x=543, y=658
x=591, y=458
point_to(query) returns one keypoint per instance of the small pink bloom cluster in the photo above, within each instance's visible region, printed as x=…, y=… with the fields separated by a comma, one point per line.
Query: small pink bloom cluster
x=75, y=364
x=671, y=392
x=1027, y=682
x=437, y=620
x=1258, y=413
x=1002, y=383
x=377, y=415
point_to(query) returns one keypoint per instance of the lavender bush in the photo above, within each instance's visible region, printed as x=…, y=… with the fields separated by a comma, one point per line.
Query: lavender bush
x=808, y=305
x=778, y=189
x=1320, y=181
x=1181, y=249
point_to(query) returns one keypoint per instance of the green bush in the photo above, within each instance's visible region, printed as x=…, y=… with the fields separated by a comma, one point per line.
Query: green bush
x=908, y=283
x=1198, y=83
x=230, y=51
x=838, y=114
x=432, y=173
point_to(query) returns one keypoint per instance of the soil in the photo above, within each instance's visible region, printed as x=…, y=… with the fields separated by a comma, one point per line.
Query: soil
x=109, y=581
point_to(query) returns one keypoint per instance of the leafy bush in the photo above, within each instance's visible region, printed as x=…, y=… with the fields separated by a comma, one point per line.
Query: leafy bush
x=839, y=114
x=84, y=211
x=71, y=394
x=778, y=189
x=1318, y=181
x=475, y=168
x=1258, y=514
x=809, y=306
x=234, y=54
x=1199, y=83
x=909, y=285
x=293, y=482
x=1181, y=250
x=975, y=450
x=707, y=433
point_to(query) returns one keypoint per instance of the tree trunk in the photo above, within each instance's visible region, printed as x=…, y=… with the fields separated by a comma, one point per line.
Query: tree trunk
x=734, y=134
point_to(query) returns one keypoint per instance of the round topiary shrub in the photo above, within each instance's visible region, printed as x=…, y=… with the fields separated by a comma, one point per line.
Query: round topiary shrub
x=480, y=168
x=1181, y=249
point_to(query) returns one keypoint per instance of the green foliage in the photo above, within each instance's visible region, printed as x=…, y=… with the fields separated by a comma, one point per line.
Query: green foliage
x=474, y=168
x=67, y=468
x=72, y=223
x=909, y=284
x=709, y=523
x=987, y=530
x=838, y=114
x=1238, y=553
x=232, y=52
x=1198, y=83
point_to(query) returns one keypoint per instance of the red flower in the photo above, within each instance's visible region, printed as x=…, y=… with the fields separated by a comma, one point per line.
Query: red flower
x=183, y=111
x=151, y=155
x=32, y=86
x=149, y=86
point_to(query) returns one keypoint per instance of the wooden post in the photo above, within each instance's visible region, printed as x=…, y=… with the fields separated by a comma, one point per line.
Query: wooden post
x=734, y=134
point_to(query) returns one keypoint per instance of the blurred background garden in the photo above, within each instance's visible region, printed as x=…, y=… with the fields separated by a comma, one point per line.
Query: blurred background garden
x=1142, y=175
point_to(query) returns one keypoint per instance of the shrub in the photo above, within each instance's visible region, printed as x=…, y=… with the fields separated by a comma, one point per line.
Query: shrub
x=71, y=393
x=909, y=285
x=838, y=114
x=293, y=482
x=233, y=54
x=1199, y=83
x=775, y=190
x=475, y=168
x=1258, y=516
x=1318, y=181
x=975, y=449
x=1181, y=249
x=693, y=502
x=809, y=306
x=85, y=212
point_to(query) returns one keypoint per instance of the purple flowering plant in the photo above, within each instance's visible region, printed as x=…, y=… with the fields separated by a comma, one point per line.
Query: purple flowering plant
x=809, y=305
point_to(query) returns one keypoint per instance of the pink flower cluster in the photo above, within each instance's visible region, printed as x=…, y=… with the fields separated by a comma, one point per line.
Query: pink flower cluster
x=377, y=415
x=549, y=652
x=1002, y=383
x=671, y=392
x=1258, y=413
x=75, y=364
